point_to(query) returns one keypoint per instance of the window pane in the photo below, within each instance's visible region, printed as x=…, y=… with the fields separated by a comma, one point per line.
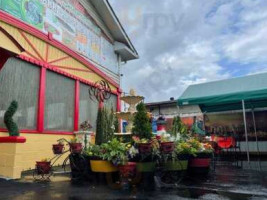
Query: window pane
x=111, y=102
x=59, y=102
x=19, y=81
x=88, y=107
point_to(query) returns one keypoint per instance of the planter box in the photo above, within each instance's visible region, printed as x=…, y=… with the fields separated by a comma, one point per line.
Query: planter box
x=176, y=165
x=146, y=166
x=102, y=166
x=201, y=163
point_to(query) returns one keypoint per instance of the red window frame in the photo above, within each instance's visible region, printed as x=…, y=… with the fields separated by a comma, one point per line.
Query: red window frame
x=46, y=66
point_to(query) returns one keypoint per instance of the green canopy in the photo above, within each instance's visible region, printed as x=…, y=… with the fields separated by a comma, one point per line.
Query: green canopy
x=227, y=94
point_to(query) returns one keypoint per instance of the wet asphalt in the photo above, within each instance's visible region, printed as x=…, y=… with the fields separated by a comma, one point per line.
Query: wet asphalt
x=226, y=182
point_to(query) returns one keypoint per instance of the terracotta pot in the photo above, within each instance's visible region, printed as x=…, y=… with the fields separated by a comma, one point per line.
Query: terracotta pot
x=43, y=167
x=200, y=164
x=144, y=148
x=58, y=148
x=127, y=170
x=167, y=147
x=102, y=166
x=76, y=147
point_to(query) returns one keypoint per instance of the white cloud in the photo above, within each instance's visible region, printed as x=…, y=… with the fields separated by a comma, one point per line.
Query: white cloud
x=182, y=42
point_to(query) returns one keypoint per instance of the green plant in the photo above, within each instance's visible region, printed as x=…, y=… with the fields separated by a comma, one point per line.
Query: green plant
x=179, y=127
x=142, y=126
x=114, y=151
x=104, y=125
x=99, y=127
x=8, y=120
x=185, y=148
x=93, y=151
x=73, y=140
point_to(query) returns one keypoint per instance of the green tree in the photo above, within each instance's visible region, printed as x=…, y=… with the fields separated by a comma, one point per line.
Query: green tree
x=8, y=120
x=99, y=127
x=142, y=126
x=104, y=125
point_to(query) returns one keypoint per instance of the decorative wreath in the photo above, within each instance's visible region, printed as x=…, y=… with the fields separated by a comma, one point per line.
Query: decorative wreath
x=100, y=91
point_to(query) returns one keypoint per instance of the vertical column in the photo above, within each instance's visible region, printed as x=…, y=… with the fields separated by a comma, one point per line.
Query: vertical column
x=119, y=106
x=76, y=105
x=41, y=103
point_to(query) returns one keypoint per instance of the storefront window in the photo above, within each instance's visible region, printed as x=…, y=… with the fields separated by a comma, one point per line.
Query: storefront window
x=59, y=102
x=88, y=107
x=111, y=102
x=20, y=81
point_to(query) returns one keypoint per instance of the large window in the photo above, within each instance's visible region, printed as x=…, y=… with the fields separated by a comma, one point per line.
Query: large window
x=20, y=81
x=111, y=102
x=88, y=107
x=59, y=102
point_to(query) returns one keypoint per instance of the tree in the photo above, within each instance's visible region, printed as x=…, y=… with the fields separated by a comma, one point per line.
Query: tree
x=104, y=125
x=99, y=127
x=8, y=120
x=142, y=126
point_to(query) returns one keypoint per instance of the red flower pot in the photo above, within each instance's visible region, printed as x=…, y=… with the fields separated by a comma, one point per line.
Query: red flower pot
x=127, y=170
x=76, y=147
x=167, y=147
x=144, y=148
x=58, y=148
x=43, y=167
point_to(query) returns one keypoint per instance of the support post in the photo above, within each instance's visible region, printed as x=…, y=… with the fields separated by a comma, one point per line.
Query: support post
x=246, y=131
x=255, y=131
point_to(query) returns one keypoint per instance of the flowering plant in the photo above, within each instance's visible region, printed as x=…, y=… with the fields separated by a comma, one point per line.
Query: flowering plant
x=185, y=148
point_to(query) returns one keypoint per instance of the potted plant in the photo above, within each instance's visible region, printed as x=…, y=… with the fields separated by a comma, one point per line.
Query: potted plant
x=58, y=148
x=43, y=166
x=147, y=159
x=75, y=146
x=200, y=163
x=166, y=145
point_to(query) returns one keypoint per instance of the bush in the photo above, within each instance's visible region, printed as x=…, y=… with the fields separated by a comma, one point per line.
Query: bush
x=142, y=126
x=8, y=120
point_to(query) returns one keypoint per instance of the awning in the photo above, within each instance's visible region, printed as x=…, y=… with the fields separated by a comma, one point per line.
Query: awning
x=227, y=94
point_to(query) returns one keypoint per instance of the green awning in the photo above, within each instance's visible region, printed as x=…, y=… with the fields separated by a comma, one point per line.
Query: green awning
x=227, y=94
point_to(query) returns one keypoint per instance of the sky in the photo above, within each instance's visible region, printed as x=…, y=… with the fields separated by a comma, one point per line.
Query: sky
x=183, y=42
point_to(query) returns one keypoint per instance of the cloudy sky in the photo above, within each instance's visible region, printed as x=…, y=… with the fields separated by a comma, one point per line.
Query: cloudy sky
x=183, y=42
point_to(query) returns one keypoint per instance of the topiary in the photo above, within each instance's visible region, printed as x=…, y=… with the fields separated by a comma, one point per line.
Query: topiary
x=99, y=127
x=142, y=126
x=8, y=120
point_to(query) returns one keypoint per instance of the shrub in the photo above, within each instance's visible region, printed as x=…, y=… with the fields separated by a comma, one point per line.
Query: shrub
x=8, y=120
x=142, y=126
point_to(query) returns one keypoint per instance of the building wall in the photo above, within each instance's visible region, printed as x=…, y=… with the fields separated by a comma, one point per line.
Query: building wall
x=75, y=24
x=18, y=157
x=33, y=46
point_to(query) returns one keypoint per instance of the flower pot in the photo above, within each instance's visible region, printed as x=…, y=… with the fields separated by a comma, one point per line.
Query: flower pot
x=201, y=163
x=144, y=148
x=76, y=147
x=127, y=170
x=146, y=166
x=58, y=148
x=167, y=147
x=43, y=167
x=102, y=166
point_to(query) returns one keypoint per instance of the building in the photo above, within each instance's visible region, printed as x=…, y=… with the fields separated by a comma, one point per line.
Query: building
x=51, y=53
x=169, y=109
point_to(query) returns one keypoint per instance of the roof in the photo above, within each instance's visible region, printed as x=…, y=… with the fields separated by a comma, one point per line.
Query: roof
x=117, y=31
x=225, y=93
x=159, y=103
